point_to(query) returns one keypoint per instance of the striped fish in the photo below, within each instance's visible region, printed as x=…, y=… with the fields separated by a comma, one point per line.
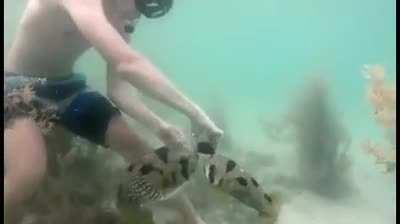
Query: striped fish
x=148, y=182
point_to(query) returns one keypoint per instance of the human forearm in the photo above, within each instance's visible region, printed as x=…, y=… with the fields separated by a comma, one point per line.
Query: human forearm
x=110, y=40
x=147, y=78
x=140, y=73
x=121, y=93
x=135, y=108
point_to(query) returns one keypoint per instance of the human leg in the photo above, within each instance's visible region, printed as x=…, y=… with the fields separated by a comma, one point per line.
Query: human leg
x=25, y=165
x=125, y=141
x=58, y=143
x=93, y=117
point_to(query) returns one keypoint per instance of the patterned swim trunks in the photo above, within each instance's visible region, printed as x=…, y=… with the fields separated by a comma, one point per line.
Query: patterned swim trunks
x=69, y=102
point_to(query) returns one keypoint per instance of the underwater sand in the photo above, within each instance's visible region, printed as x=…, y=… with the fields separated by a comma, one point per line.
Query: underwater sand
x=375, y=203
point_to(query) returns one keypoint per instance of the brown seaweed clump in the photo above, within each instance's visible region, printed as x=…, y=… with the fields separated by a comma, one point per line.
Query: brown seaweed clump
x=382, y=97
x=321, y=142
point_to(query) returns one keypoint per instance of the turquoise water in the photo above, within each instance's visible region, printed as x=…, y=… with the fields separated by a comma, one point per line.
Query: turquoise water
x=256, y=55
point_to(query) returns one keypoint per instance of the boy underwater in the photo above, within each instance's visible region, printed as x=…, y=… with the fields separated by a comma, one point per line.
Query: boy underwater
x=52, y=35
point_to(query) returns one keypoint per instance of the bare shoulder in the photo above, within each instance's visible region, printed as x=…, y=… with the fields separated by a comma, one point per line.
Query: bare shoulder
x=43, y=4
x=36, y=12
x=42, y=8
x=79, y=4
x=44, y=12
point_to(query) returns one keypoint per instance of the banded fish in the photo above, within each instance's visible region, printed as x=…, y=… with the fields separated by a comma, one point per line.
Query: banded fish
x=165, y=171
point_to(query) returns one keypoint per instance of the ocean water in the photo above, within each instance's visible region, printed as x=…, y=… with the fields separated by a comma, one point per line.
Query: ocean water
x=252, y=59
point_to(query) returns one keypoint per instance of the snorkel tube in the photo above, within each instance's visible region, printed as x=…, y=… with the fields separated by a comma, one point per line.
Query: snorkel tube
x=153, y=8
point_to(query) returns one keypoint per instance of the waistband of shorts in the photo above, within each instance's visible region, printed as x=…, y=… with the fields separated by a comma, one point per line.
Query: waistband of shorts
x=72, y=76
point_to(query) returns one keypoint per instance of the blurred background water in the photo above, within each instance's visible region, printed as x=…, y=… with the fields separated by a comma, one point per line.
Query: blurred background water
x=253, y=56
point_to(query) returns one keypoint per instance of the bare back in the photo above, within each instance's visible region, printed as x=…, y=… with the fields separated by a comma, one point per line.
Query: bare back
x=48, y=43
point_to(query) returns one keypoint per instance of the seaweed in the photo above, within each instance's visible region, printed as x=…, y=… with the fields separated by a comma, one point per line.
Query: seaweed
x=320, y=134
x=321, y=142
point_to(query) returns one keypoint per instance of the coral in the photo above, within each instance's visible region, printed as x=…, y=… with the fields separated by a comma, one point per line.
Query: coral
x=386, y=157
x=382, y=97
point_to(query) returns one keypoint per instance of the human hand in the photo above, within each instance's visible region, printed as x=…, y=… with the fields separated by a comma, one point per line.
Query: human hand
x=147, y=164
x=202, y=125
x=174, y=138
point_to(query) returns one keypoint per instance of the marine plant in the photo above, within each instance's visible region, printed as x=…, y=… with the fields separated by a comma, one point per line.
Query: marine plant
x=381, y=95
x=320, y=140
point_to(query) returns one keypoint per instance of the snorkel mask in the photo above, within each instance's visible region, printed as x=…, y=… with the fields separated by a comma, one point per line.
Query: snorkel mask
x=153, y=8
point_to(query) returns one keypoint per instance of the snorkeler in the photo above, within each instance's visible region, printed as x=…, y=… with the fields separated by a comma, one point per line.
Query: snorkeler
x=51, y=37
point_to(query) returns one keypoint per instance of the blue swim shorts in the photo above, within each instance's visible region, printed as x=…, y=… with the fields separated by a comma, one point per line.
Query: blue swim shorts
x=69, y=102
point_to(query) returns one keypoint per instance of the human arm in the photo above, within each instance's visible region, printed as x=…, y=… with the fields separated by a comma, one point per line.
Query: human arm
x=130, y=65
x=123, y=96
